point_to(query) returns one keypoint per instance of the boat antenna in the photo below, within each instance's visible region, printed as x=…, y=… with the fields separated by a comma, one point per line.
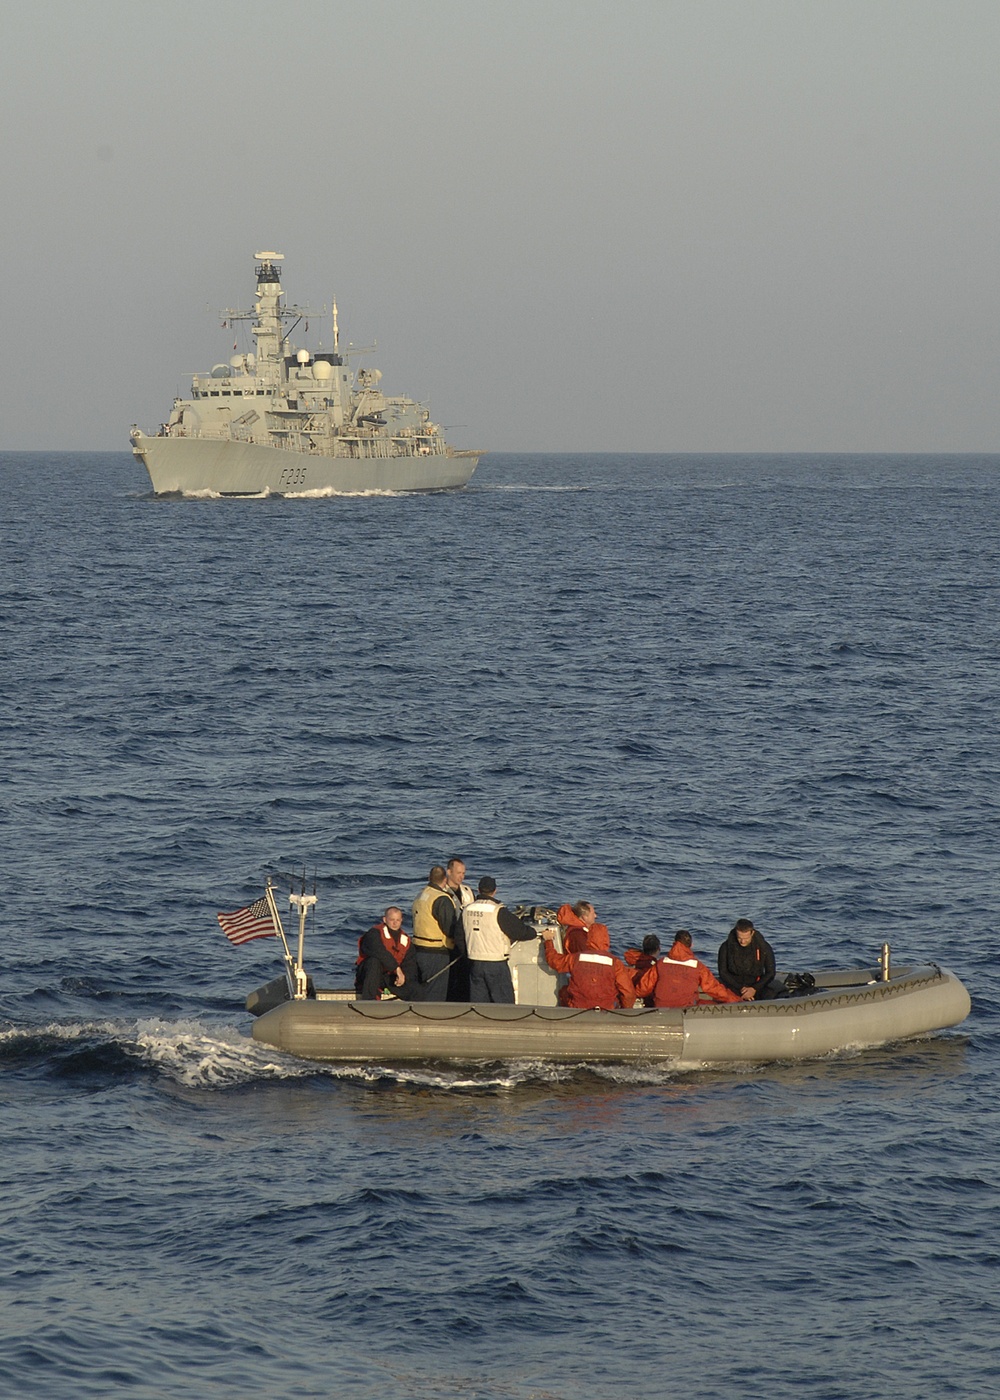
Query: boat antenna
x=303, y=902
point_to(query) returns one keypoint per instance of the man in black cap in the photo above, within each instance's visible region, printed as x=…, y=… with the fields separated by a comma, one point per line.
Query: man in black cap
x=490, y=928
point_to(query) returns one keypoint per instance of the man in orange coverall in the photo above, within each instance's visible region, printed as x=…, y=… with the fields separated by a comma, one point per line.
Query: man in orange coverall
x=597, y=979
x=577, y=921
x=677, y=978
x=640, y=960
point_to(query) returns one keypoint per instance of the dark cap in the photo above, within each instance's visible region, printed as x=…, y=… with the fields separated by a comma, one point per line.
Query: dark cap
x=487, y=885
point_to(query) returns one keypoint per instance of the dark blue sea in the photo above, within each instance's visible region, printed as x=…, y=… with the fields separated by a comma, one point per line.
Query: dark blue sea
x=687, y=688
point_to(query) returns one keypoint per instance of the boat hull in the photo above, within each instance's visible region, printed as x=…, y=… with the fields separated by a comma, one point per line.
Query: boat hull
x=850, y=1013
x=224, y=467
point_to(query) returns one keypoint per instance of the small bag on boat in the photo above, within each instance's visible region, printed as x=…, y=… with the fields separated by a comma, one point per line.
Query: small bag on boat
x=798, y=984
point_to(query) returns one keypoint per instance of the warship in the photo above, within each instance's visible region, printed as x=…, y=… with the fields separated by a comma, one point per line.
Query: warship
x=287, y=421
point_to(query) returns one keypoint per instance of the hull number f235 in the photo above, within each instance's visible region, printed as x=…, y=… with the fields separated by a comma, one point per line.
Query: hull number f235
x=292, y=476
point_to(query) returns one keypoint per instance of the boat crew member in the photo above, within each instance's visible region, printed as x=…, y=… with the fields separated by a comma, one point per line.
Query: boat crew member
x=461, y=895
x=746, y=963
x=679, y=977
x=434, y=948
x=640, y=960
x=385, y=958
x=597, y=979
x=577, y=920
x=488, y=929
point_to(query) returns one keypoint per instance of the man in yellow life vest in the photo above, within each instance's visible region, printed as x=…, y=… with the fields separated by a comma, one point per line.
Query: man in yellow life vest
x=434, y=948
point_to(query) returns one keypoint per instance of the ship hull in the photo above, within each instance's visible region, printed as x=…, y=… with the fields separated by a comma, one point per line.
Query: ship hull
x=207, y=467
x=848, y=1012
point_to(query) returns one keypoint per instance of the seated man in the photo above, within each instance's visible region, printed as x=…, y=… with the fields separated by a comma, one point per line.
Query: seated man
x=640, y=960
x=678, y=978
x=577, y=921
x=385, y=959
x=488, y=929
x=597, y=979
x=746, y=963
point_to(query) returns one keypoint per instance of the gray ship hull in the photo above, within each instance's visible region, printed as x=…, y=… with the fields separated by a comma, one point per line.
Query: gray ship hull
x=850, y=1011
x=207, y=467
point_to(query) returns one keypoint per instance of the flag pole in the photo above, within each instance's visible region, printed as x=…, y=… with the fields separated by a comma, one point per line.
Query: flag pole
x=279, y=930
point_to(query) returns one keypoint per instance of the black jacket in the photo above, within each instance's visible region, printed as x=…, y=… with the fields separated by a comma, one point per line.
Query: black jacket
x=752, y=966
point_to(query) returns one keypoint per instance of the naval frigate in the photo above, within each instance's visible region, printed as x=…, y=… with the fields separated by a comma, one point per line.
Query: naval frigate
x=288, y=421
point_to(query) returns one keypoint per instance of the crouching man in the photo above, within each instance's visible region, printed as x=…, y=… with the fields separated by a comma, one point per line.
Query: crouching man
x=385, y=959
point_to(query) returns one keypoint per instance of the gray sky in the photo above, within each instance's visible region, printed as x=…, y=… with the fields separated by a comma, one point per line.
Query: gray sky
x=646, y=225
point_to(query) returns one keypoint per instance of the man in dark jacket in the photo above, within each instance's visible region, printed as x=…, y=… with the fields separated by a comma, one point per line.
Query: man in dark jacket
x=746, y=964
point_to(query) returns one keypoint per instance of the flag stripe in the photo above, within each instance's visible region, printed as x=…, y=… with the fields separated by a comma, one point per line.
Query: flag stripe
x=243, y=925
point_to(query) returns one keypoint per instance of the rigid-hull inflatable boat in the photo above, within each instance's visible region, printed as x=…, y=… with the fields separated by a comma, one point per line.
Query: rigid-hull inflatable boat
x=821, y=1012
x=850, y=1009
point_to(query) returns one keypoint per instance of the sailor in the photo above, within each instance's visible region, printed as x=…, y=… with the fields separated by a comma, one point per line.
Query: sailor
x=461, y=895
x=433, y=920
x=640, y=960
x=677, y=978
x=746, y=963
x=454, y=874
x=489, y=928
x=385, y=957
x=577, y=920
x=597, y=979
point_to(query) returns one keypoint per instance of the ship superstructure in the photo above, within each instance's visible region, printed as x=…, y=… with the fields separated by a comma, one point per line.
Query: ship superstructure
x=285, y=420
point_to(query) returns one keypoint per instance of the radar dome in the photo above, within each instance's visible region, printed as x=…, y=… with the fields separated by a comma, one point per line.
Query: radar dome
x=303, y=357
x=322, y=369
x=220, y=371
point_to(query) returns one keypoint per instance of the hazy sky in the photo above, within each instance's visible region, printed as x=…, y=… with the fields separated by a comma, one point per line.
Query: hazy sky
x=646, y=225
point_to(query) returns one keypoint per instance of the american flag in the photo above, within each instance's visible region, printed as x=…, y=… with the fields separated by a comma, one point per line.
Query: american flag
x=242, y=925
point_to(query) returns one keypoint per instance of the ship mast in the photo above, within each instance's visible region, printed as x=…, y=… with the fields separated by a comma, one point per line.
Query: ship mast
x=267, y=316
x=266, y=330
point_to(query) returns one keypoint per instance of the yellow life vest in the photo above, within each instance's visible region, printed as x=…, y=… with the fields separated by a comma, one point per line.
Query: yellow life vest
x=427, y=932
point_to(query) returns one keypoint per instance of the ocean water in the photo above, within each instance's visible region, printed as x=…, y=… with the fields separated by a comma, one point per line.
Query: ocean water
x=688, y=688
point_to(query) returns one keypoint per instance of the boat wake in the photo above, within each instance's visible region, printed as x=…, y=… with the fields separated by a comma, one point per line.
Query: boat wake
x=219, y=1057
x=187, y=1052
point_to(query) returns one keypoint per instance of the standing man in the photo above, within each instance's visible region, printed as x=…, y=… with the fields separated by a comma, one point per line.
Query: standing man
x=489, y=929
x=434, y=947
x=460, y=895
